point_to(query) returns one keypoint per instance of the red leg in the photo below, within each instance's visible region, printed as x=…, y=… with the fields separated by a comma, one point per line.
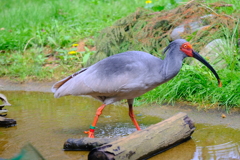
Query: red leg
x=92, y=127
x=132, y=117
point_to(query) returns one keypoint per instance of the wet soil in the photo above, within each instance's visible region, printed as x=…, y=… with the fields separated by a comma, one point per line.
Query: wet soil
x=47, y=123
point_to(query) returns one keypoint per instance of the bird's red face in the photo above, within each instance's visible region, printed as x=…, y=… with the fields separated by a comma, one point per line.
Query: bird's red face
x=187, y=49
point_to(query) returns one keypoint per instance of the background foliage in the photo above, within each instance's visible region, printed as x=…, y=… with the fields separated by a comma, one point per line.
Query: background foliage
x=38, y=37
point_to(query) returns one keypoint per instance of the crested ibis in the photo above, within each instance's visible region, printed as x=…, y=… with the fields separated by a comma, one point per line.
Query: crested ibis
x=127, y=75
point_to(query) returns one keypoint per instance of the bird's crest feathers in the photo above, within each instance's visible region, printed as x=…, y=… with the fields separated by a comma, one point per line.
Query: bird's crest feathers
x=177, y=42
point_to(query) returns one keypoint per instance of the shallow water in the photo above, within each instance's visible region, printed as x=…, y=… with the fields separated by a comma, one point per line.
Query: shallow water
x=47, y=123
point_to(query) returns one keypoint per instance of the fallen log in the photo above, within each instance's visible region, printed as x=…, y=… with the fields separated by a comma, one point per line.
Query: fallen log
x=144, y=143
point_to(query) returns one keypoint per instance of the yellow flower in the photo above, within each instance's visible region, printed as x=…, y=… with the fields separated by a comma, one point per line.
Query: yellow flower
x=75, y=45
x=72, y=52
x=147, y=2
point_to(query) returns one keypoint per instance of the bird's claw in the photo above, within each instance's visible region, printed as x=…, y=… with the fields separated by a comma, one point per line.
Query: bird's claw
x=90, y=134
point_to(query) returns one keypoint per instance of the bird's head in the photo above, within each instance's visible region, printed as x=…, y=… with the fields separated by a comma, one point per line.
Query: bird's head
x=187, y=49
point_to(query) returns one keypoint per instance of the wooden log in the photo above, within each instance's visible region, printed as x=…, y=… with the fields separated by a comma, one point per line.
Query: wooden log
x=86, y=144
x=144, y=143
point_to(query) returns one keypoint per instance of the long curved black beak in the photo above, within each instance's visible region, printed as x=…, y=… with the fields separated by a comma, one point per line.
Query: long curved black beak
x=201, y=59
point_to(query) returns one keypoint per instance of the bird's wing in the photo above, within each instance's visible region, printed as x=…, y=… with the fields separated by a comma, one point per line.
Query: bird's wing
x=119, y=73
x=60, y=83
x=116, y=73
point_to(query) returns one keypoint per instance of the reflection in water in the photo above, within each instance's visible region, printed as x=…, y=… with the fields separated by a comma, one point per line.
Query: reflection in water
x=184, y=151
x=47, y=123
x=216, y=143
x=200, y=148
x=226, y=151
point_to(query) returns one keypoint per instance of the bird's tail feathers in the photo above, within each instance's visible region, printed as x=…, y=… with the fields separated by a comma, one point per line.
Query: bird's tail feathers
x=57, y=85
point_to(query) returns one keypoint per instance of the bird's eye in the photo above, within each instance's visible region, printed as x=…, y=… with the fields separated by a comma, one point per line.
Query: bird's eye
x=185, y=46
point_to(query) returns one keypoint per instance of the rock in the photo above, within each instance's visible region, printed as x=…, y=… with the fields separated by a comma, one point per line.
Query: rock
x=176, y=33
x=7, y=122
x=4, y=100
x=212, y=52
x=190, y=27
x=3, y=112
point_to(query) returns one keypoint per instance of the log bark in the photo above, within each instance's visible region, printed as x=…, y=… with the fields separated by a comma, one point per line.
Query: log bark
x=86, y=144
x=144, y=143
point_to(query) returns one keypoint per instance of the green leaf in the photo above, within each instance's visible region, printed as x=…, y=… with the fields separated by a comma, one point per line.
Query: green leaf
x=158, y=8
x=51, y=40
x=86, y=57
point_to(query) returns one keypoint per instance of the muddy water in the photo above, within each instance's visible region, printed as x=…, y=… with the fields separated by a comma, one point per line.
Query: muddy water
x=47, y=123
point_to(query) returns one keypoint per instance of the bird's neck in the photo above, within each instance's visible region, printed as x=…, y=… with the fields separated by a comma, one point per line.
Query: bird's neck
x=172, y=65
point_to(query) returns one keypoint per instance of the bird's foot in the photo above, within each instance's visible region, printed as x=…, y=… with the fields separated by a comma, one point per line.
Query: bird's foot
x=90, y=134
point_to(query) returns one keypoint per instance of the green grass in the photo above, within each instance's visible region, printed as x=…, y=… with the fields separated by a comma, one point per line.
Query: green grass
x=57, y=23
x=31, y=31
x=196, y=85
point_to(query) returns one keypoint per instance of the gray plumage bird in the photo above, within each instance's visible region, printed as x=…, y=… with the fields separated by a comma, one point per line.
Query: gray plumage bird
x=127, y=75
